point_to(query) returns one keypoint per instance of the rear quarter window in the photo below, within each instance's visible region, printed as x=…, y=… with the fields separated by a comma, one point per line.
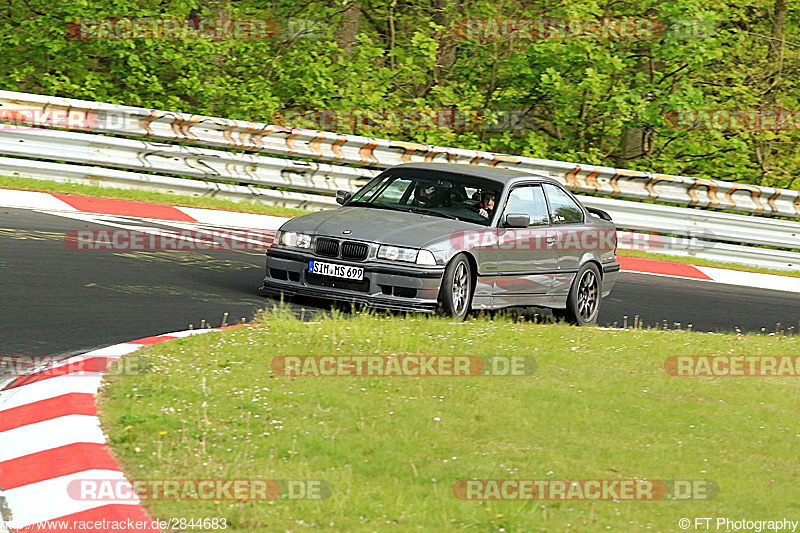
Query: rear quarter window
x=563, y=209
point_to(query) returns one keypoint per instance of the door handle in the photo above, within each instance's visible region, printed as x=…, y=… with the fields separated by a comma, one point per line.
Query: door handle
x=550, y=240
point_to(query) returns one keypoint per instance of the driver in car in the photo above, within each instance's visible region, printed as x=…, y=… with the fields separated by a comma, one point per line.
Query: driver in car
x=429, y=195
x=486, y=206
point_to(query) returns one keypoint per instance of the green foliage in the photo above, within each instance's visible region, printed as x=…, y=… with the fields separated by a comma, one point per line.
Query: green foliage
x=582, y=96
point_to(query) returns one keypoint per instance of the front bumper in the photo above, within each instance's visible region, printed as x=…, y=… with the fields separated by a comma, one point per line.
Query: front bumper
x=386, y=285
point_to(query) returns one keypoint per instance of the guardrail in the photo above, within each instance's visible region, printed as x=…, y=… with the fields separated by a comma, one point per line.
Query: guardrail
x=65, y=173
x=97, y=157
x=188, y=161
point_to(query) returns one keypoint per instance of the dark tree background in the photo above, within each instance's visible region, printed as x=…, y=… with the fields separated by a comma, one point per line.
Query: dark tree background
x=595, y=101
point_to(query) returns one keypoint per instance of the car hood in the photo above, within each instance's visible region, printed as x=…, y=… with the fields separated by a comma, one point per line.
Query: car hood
x=378, y=225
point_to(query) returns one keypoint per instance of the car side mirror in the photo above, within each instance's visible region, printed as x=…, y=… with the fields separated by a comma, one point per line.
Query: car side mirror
x=342, y=196
x=517, y=220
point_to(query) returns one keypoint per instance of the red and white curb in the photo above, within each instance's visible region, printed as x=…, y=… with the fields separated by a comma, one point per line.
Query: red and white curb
x=83, y=204
x=716, y=275
x=50, y=435
x=66, y=203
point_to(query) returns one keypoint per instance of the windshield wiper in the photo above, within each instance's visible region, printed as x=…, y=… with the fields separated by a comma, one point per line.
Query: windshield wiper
x=417, y=210
x=359, y=203
x=429, y=212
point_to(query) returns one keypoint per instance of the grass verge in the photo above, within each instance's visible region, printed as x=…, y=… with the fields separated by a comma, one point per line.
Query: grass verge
x=30, y=184
x=599, y=406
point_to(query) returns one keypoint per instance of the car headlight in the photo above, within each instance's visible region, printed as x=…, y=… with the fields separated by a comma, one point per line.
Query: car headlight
x=425, y=257
x=295, y=240
x=395, y=253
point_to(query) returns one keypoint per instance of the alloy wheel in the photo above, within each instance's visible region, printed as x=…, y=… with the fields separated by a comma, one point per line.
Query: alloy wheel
x=588, y=289
x=460, y=288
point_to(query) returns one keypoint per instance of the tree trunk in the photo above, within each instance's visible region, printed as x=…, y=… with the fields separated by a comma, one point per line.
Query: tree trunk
x=347, y=30
x=446, y=55
x=634, y=140
x=763, y=150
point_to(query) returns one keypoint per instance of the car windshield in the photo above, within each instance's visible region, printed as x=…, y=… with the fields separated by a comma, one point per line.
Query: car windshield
x=431, y=192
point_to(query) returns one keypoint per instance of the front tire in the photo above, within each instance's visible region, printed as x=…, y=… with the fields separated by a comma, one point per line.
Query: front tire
x=583, y=302
x=455, y=295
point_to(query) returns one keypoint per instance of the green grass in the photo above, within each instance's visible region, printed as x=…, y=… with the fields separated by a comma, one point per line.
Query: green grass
x=599, y=406
x=97, y=191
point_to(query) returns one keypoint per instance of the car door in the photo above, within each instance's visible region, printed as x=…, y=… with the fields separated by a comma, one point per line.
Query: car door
x=526, y=263
x=567, y=225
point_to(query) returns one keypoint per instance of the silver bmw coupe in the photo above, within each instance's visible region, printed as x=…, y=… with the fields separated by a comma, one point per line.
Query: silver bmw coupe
x=452, y=237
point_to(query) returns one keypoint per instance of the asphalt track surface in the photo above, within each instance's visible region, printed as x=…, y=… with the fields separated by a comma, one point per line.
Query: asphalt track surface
x=57, y=301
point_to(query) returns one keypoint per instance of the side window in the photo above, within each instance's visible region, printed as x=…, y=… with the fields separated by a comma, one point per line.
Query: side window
x=394, y=192
x=528, y=200
x=562, y=206
x=369, y=189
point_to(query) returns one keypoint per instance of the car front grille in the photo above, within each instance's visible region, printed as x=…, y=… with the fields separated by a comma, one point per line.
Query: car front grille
x=327, y=247
x=354, y=250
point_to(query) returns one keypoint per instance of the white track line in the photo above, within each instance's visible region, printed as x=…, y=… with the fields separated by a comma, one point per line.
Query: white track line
x=233, y=219
x=32, y=200
x=752, y=279
x=117, y=350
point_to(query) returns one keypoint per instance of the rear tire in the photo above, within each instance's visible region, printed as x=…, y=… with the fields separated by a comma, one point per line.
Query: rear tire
x=583, y=302
x=455, y=294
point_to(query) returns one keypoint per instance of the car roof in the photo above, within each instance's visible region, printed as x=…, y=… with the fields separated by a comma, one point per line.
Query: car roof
x=504, y=175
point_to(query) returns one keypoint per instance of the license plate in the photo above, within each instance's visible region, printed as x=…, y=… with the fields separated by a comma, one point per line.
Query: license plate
x=336, y=271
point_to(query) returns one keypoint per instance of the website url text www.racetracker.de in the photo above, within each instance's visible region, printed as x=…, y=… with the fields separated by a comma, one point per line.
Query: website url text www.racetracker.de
x=200, y=524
